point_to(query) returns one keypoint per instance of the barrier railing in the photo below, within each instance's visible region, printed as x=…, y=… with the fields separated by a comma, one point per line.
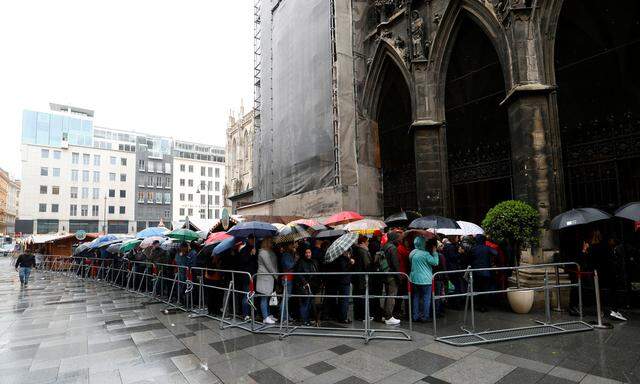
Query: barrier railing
x=472, y=336
x=284, y=328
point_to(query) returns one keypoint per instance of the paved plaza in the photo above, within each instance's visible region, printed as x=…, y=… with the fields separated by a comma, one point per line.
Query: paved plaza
x=64, y=330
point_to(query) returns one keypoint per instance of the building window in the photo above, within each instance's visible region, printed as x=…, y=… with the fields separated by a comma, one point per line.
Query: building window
x=202, y=213
x=217, y=186
x=203, y=171
x=73, y=210
x=96, y=160
x=209, y=186
x=210, y=171
x=190, y=182
x=202, y=199
x=181, y=211
x=190, y=211
x=190, y=197
x=96, y=176
x=85, y=176
x=209, y=200
x=112, y=176
x=203, y=185
x=182, y=197
x=191, y=168
x=167, y=198
x=112, y=193
x=74, y=192
x=95, y=210
x=86, y=159
x=55, y=172
x=85, y=192
x=217, y=212
x=84, y=210
x=111, y=209
x=217, y=201
x=57, y=155
x=217, y=172
x=44, y=171
x=123, y=161
x=75, y=158
x=140, y=197
x=141, y=165
x=55, y=208
x=112, y=160
x=43, y=189
x=167, y=167
x=55, y=190
x=42, y=207
x=150, y=166
x=158, y=197
x=182, y=182
x=123, y=177
x=149, y=197
x=123, y=193
x=44, y=153
x=182, y=167
x=96, y=193
x=74, y=175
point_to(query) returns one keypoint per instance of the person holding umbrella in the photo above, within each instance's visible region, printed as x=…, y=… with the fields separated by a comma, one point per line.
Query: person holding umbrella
x=267, y=264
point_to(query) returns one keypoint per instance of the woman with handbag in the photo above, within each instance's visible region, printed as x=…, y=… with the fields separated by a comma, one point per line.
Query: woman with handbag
x=267, y=264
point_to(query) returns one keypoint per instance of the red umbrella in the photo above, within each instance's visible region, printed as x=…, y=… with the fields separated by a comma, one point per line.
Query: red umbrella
x=343, y=218
x=306, y=222
x=216, y=237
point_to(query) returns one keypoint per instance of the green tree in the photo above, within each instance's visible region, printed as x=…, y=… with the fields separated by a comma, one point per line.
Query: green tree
x=515, y=224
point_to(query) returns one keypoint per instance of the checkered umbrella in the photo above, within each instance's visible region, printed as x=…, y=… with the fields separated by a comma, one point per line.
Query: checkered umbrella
x=340, y=246
x=290, y=234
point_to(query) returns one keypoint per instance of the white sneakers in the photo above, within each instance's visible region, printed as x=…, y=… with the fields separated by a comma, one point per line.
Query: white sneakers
x=392, y=321
x=617, y=315
x=270, y=320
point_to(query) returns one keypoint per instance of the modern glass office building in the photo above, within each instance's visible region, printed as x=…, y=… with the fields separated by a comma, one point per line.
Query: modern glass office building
x=52, y=129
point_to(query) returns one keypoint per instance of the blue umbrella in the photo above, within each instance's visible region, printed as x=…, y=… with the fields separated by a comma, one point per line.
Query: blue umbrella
x=101, y=240
x=224, y=246
x=151, y=231
x=255, y=228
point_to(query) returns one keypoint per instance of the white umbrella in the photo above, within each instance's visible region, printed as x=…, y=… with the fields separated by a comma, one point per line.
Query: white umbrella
x=466, y=228
x=365, y=226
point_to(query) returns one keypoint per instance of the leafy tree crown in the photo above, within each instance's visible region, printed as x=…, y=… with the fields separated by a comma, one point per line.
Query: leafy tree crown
x=515, y=221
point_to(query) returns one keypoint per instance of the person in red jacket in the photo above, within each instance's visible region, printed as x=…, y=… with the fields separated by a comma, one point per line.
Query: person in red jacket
x=401, y=309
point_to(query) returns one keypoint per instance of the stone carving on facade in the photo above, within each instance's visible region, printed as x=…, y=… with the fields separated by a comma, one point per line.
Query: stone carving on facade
x=420, y=45
x=387, y=8
x=436, y=18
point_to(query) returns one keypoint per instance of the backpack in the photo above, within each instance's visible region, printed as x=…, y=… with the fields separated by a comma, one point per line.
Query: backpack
x=380, y=262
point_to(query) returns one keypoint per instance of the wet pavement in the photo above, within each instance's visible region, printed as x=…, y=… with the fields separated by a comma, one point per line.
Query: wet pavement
x=64, y=330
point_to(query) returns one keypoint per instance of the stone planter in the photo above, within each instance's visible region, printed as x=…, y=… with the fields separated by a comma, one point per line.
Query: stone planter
x=521, y=301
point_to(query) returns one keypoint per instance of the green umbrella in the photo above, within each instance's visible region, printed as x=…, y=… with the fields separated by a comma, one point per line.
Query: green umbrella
x=129, y=245
x=183, y=234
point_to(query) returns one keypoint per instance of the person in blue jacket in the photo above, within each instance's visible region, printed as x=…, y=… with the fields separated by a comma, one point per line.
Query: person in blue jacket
x=423, y=258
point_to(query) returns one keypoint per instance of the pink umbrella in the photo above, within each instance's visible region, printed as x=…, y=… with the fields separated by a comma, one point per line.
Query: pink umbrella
x=216, y=237
x=343, y=218
x=146, y=243
x=307, y=222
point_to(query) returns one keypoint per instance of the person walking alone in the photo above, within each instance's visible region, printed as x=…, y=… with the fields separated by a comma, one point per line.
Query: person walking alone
x=423, y=258
x=24, y=263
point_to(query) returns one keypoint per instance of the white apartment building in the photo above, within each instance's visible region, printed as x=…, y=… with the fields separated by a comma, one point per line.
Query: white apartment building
x=198, y=180
x=67, y=184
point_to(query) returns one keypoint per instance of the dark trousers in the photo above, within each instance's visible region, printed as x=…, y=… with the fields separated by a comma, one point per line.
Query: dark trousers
x=214, y=296
x=375, y=289
x=343, y=302
x=481, y=284
x=358, y=303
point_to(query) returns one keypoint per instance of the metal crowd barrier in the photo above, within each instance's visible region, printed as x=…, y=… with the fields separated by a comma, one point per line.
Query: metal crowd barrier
x=185, y=289
x=283, y=328
x=547, y=327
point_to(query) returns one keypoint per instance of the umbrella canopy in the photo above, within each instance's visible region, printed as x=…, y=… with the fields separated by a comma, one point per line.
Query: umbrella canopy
x=129, y=245
x=151, y=231
x=413, y=233
x=433, y=221
x=343, y=217
x=114, y=247
x=339, y=246
x=330, y=234
x=255, y=228
x=205, y=253
x=183, y=234
x=81, y=248
x=291, y=233
x=216, y=237
x=278, y=225
x=305, y=222
x=365, y=226
x=401, y=219
x=106, y=239
x=146, y=243
x=170, y=244
x=629, y=211
x=578, y=216
x=224, y=246
x=466, y=228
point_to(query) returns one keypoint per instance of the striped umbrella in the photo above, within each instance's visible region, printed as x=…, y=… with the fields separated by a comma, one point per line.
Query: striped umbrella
x=290, y=234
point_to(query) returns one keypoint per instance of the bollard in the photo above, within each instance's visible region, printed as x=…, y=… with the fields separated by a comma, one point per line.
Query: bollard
x=598, y=324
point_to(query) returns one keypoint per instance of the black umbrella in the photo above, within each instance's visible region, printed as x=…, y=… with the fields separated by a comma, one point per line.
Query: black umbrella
x=629, y=211
x=330, y=234
x=401, y=218
x=578, y=216
x=433, y=221
x=204, y=254
x=81, y=248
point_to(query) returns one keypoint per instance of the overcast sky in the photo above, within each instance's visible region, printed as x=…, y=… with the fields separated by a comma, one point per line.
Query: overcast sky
x=171, y=68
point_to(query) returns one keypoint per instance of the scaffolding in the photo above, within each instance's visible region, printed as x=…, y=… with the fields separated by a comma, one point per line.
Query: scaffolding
x=257, y=63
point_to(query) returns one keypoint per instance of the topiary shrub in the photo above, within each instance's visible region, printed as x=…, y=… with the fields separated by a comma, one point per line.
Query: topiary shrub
x=514, y=223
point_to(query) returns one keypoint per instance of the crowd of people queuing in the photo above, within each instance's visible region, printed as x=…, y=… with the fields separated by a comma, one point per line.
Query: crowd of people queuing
x=312, y=295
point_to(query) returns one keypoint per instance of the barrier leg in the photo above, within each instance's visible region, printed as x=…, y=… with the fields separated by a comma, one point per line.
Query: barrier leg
x=225, y=304
x=599, y=324
x=367, y=317
x=473, y=316
x=558, y=307
x=547, y=301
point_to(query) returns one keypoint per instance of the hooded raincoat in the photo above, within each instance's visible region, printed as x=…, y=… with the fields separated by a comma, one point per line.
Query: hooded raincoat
x=421, y=262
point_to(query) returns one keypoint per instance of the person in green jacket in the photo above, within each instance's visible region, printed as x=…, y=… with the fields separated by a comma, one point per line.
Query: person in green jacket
x=423, y=257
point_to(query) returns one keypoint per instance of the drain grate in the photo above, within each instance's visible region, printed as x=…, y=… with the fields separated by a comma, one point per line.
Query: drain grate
x=515, y=333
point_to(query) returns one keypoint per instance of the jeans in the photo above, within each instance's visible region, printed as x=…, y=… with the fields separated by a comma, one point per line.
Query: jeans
x=264, y=306
x=242, y=298
x=343, y=302
x=24, y=275
x=284, y=309
x=421, y=297
x=305, y=308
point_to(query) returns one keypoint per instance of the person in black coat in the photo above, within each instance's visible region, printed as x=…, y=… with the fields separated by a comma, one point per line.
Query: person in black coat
x=24, y=264
x=307, y=284
x=362, y=263
x=482, y=256
x=343, y=284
